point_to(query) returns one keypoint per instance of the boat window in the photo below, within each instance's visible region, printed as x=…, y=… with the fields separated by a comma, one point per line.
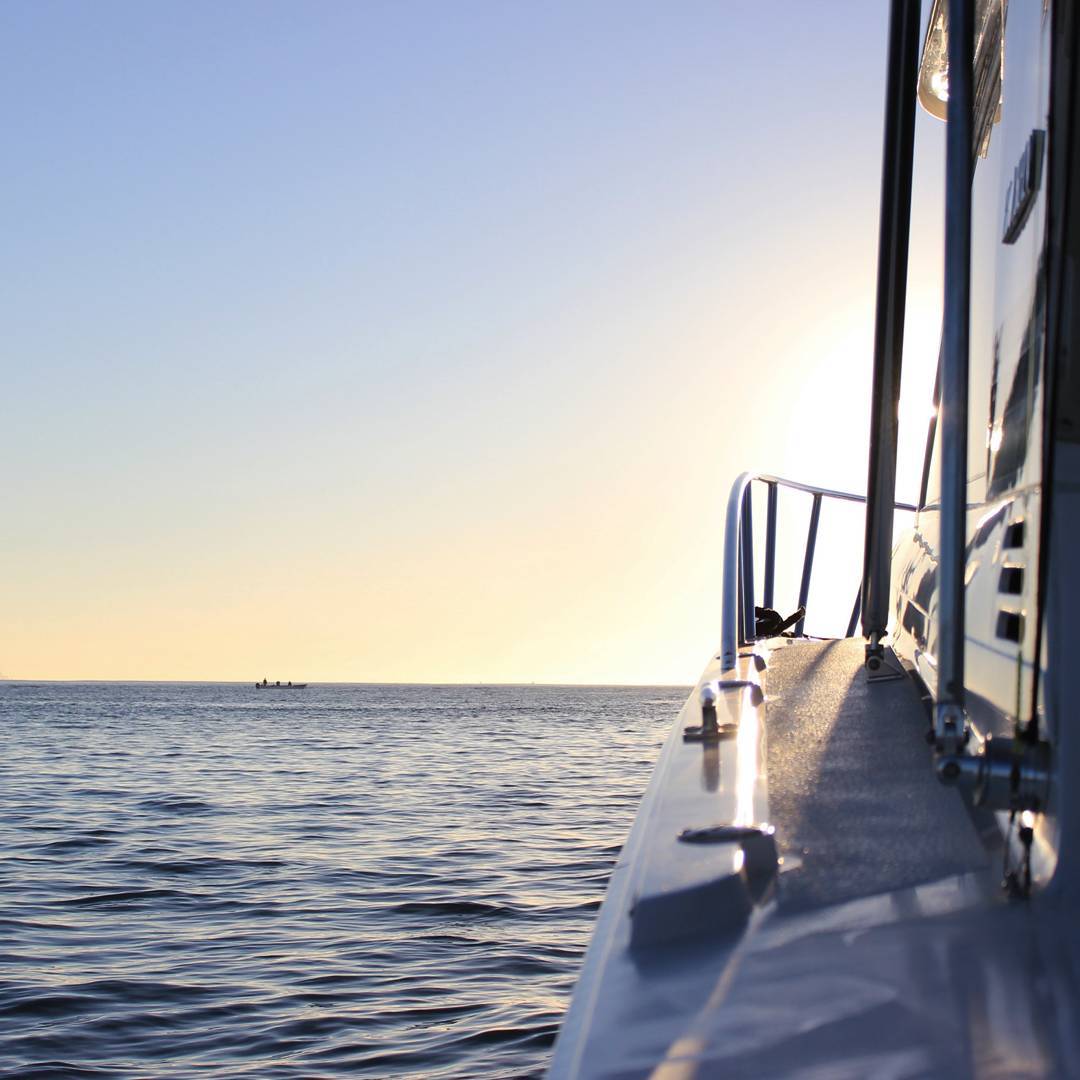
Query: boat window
x=989, y=65
x=1011, y=421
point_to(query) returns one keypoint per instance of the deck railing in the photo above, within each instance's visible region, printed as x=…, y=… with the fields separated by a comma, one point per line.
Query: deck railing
x=739, y=617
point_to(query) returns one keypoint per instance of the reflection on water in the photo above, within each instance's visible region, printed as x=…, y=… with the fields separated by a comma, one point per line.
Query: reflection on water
x=375, y=880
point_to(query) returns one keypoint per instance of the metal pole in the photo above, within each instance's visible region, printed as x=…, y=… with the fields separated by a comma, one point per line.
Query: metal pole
x=746, y=550
x=729, y=611
x=949, y=719
x=893, y=234
x=770, y=546
x=808, y=561
x=854, y=620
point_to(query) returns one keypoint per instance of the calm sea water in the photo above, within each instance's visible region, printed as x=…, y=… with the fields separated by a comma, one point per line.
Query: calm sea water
x=206, y=880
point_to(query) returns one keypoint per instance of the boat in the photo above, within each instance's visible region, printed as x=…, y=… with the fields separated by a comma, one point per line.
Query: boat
x=858, y=856
x=264, y=685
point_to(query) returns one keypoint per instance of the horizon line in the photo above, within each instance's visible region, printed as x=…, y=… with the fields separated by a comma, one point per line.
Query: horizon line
x=309, y=684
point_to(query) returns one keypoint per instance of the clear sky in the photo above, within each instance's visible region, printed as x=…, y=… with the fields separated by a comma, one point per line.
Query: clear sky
x=422, y=341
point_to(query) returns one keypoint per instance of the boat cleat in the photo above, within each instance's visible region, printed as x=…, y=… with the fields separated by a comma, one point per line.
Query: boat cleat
x=710, y=730
x=758, y=843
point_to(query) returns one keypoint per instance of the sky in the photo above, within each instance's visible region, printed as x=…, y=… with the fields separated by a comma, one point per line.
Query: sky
x=421, y=342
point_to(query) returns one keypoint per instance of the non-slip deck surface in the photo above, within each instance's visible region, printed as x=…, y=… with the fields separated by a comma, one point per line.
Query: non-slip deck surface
x=856, y=805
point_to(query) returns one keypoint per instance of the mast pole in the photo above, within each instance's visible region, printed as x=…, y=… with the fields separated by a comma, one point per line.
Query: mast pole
x=949, y=719
x=894, y=228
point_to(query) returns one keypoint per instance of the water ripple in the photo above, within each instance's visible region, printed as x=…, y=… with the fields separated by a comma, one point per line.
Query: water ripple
x=381, y=880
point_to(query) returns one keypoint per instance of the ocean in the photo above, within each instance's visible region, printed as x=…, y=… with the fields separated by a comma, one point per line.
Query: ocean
x=205, y=880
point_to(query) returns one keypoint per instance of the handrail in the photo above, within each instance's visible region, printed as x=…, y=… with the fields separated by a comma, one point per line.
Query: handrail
x=811, y=489
x=729, y=612
x=738, y=620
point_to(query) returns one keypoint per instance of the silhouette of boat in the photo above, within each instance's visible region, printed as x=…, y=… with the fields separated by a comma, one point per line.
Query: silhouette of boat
x=265, y=685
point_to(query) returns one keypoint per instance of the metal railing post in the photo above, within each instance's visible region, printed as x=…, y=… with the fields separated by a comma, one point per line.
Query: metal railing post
x=729, y=610
x=808, y=560
x=746, y=547
x=770, y=545
x=894, y=228
x=853, y=622
x=949, y=715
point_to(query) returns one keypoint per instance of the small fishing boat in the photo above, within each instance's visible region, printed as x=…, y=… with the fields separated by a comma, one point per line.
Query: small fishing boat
x=264, y=685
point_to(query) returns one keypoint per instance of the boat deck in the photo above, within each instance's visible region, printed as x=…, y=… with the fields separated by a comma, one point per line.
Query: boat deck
x=886, y=947
x=856, y=805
